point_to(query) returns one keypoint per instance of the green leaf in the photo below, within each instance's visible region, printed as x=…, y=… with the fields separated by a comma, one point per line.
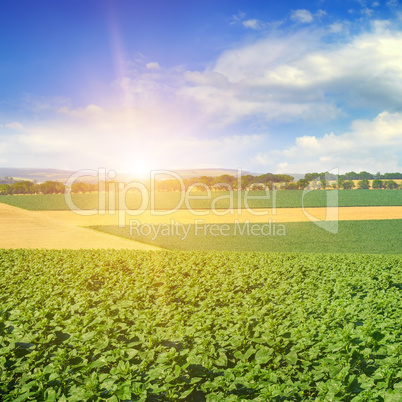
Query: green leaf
x=222, y=360
x=292, y=358
x=186, y=393
x=51, y=395
x=87, y=336
x=53, y=376
x=263, y=355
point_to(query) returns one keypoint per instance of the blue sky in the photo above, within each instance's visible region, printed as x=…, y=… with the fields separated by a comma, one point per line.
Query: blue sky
x=265, y=86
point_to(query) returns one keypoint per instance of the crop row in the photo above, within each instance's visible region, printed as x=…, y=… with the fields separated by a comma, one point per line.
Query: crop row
x=161, y=326
x=367, y=236
x=217, y=199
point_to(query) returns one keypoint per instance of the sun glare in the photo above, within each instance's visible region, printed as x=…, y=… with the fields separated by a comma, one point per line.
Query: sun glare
x=141, y=170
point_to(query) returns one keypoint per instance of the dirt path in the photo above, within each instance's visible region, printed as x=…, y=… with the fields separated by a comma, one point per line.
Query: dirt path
x=183, y=216
x=63, y=229
x=26, y=229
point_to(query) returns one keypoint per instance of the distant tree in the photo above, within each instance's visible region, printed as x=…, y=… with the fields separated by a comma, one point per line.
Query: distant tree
x=226, y=178
x=4, y=189
x=52, y=187
x=257, y=186
x=339, y=182
x=350, y=176
x=365, y=175
x=378, y=184
x=395, y=175
x=391, y=185
x=79, y=187
x=266, y=177
x=348, y=185
x=303, y=183
x=311, y=176
x=246, y=181
x=363, y=184
x=207, y=180
x=223, y=182
x=323, y=184
x=330, y=176
x=283, y=177
x=291, y=186
x=22, y=187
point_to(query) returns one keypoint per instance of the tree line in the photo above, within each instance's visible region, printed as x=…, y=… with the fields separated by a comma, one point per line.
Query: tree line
x=48, y=187
x=223, y=182
x=29, y=187
x=364, y=184
x=354, y=176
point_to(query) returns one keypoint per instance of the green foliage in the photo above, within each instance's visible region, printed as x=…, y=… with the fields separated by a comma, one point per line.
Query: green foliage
x=23, y=187
x=348, y=185
x=29, y=187
x=395, y=175
x=322, y=175
x=357, y=176
x=52, y=187
x=368, y=236
x=164, y=326
x=170, y=200
x=302, y=183
x=353, y=176
x=391, y=185
x=363, y=184
x=4, y=189
x=378, y=184
x=79, y=187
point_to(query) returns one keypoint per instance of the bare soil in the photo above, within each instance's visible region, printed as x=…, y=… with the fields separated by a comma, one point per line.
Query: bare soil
x=26, y=229
x=66, y=229
x=260, y=215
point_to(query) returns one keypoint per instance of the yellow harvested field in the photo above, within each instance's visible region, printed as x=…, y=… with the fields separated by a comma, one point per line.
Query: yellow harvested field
x=398, y=181
x=27, y=229
x=66, y=229
x=261, y=215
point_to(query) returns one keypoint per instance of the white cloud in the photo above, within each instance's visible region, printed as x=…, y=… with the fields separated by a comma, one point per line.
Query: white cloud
x=301, y=77
x=123, y=139
x=337, y=27
x=15, y=125
x=253, y=24
x=370, y=145
x=392, y=3
x=180, y=118
x=367, y=11
x=239, y=17
x=320, y=13
x=228, y=150
x=153, y=66
x=89, y=111
x=302, y=16
x=39, y=104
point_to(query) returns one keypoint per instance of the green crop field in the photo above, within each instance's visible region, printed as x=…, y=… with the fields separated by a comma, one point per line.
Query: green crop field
x=50, y=202
x=375, y=236
x=221, y=199
x=199, y=326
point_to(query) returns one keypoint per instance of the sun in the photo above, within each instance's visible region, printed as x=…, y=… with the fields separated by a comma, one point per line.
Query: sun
x=141, y=169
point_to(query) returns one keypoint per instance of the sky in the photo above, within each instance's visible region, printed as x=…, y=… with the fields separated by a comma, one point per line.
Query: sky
x=265, y=86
